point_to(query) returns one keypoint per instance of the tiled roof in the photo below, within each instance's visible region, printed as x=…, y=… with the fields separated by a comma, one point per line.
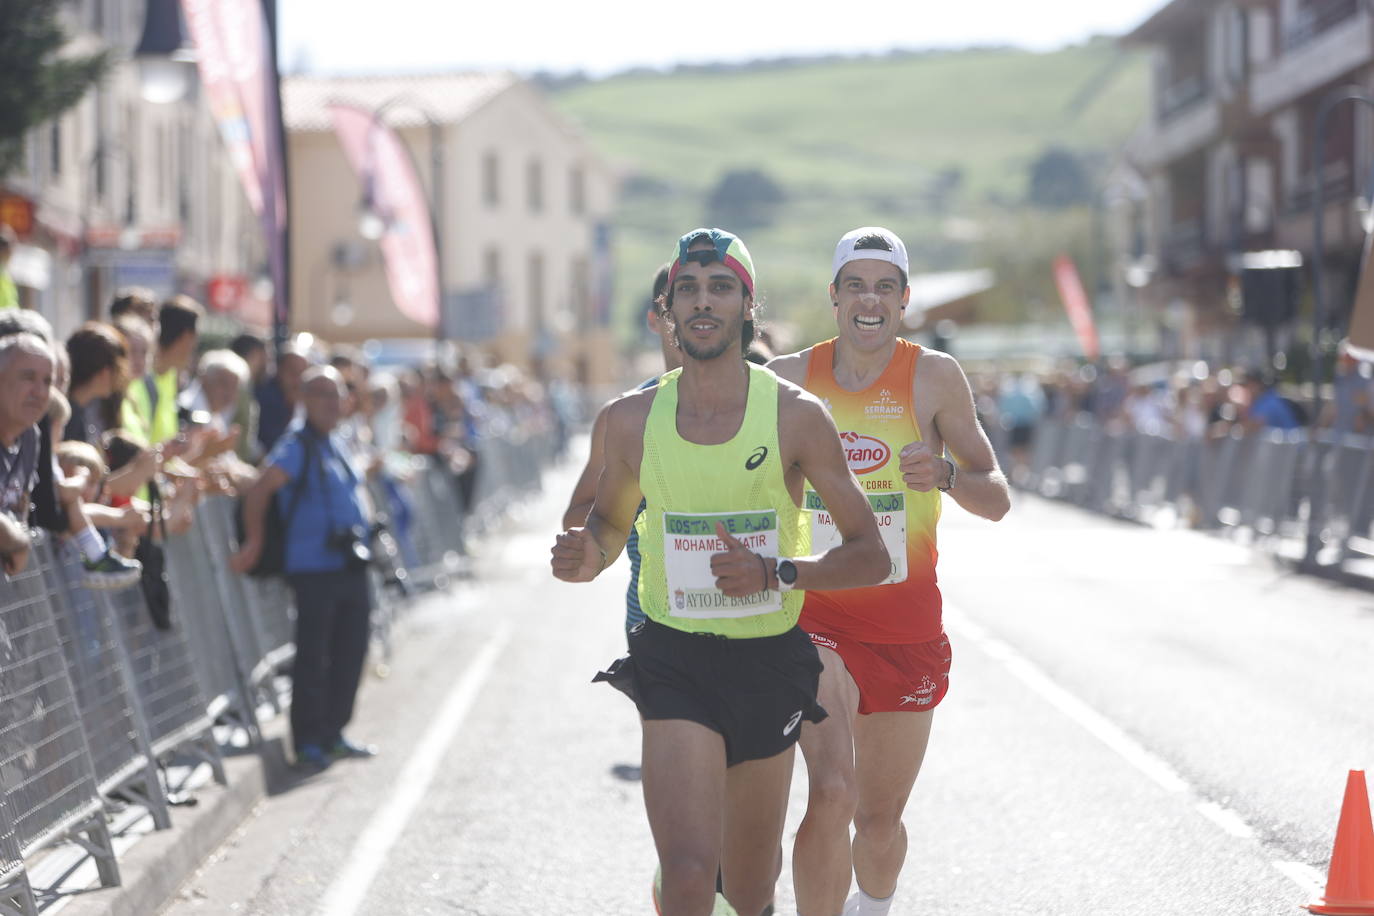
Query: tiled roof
x=448, y=97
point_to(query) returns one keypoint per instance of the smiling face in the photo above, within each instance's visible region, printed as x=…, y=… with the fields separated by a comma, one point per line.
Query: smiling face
x=869, y=296
x=709, y=307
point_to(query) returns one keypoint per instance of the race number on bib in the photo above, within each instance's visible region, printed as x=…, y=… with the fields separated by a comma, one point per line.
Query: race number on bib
x=889, y=510
x=688, y=543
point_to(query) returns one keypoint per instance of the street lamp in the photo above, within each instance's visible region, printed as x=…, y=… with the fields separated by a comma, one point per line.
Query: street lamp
x=372, y=222
x=166, y=57
x=1319, y=311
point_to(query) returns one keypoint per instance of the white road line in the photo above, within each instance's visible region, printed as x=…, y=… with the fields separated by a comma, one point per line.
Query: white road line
x=345, y=896
x=1097, y=725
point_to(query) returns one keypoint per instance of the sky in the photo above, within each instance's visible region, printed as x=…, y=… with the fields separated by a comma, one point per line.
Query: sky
x=605, y=36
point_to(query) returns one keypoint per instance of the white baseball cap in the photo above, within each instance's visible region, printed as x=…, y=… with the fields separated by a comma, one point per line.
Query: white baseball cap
x=894, y=253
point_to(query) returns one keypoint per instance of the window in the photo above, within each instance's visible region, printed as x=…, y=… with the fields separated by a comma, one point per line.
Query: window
x=536, y=291
x=581, y=290
x=491, y=270
x=535, y=185
x=577, y=190
x=55, y=150
x=491, y=180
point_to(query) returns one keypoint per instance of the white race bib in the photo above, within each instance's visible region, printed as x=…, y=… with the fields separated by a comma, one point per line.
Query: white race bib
x=689, y=540
x=889, y=510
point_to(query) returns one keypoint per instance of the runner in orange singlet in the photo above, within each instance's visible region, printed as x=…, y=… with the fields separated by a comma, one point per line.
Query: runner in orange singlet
x=898, y=408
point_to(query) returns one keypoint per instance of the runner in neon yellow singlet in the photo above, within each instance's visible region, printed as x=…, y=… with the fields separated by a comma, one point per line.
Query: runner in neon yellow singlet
x=898, y=407
x=720, y=673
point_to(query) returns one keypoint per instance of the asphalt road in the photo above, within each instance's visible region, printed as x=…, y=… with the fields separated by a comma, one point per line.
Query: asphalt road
x=1140, y=722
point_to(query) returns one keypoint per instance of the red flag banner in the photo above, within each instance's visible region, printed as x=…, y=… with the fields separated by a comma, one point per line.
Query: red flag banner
x=391, y=184
x=1076, y=304
x=236, y=71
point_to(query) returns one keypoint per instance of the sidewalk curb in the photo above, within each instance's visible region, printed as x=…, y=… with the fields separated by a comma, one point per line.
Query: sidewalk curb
x=158, y=865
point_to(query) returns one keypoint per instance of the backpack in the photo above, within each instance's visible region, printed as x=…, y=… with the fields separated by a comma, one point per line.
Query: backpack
x=272, y=559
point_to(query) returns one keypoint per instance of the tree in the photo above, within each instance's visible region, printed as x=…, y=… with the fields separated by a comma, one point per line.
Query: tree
x=36, y=85
x=744, y=199
x=1058, y=179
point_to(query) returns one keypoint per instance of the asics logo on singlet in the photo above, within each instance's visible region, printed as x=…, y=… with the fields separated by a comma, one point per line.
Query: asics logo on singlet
x=792, y=723
x=757, y=458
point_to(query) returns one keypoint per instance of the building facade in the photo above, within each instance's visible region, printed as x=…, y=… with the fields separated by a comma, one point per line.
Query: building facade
x=522, y=223
x=1228, y=153
x=121, y=191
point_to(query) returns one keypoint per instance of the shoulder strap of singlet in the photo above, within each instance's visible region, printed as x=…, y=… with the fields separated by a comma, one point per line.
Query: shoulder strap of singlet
x=821, y=365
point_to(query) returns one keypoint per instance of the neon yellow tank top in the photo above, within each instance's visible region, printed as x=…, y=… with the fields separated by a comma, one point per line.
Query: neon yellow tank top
x=689, y=487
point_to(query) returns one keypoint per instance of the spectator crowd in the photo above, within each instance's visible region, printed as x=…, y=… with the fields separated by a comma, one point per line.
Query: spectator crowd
x=110, y=439
x=1192, y=402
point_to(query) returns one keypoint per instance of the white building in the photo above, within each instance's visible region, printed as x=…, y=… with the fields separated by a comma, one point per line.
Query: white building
x=522, y=222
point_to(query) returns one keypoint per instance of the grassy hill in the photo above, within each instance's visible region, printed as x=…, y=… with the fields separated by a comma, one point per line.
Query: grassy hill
x=933, y=145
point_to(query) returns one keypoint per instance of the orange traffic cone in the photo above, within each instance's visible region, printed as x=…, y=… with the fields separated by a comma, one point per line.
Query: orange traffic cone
x=1350, y=882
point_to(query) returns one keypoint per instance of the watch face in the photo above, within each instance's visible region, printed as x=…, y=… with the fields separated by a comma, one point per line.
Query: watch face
x=787, y=572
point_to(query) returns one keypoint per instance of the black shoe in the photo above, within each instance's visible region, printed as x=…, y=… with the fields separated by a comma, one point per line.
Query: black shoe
x=311, y=758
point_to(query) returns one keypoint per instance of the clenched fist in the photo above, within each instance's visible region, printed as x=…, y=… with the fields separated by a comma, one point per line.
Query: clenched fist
x=576, y=556
x=921, y=468
x=738, y=571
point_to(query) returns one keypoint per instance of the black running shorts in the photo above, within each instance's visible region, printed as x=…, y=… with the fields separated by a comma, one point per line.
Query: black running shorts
x=754, y=692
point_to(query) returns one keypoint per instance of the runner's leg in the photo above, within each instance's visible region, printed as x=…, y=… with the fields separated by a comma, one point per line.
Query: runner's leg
x=888, y=750
x=820, y=857
x=755, y=808
x=684, y=796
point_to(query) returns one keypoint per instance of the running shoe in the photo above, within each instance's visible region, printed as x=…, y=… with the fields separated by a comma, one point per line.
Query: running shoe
x=110, y=571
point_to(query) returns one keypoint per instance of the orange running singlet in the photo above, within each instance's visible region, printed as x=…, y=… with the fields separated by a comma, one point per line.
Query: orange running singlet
x=875, y=424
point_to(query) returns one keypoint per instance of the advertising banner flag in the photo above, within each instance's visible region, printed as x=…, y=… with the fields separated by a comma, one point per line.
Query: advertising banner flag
x=1076, y=304
x=238, y=74
x=392, y=189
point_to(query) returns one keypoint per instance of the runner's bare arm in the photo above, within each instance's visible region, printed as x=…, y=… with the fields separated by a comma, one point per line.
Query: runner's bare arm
x=581, y=553
x=584, y=492
x=814, y=442
x=792, y=366
x=980, y=486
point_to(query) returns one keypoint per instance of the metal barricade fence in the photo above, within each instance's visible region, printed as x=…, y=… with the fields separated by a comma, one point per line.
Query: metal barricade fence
x=16, y=896
x=1262, y=483
x=229, y=695
x=164, y=674
x=93, y=695
x=46, y=770
x=121, y=751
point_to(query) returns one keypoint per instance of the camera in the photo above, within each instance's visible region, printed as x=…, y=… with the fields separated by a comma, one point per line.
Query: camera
x=353, y=544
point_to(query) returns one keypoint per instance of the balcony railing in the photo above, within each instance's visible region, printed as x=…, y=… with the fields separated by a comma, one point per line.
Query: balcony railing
x=1181, y=96
x=1315, y=18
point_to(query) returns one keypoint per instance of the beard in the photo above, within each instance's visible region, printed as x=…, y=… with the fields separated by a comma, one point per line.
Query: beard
x=730, y=337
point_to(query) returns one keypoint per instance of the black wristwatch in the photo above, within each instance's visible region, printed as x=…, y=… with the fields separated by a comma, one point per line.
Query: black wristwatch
x=953, y=472
x=787, y=575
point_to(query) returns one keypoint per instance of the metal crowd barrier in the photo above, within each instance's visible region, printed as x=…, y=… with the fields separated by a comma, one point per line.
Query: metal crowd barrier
x=46, y=771
x=94, y=697
x=1264, y=484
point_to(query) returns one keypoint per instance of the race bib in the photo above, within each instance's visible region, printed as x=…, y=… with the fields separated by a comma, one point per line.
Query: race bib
x=689, y=540
x=889, y=510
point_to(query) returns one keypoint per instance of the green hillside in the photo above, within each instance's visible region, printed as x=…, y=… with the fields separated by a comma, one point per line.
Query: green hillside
x=917, y=142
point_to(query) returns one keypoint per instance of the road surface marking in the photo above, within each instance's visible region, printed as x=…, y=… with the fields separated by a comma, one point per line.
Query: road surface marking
x=1158, y=771
x=346, y=895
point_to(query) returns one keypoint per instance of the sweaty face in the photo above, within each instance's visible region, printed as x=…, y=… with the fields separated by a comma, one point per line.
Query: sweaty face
x=869, y=297
x=24, y=387
x=709, y=306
